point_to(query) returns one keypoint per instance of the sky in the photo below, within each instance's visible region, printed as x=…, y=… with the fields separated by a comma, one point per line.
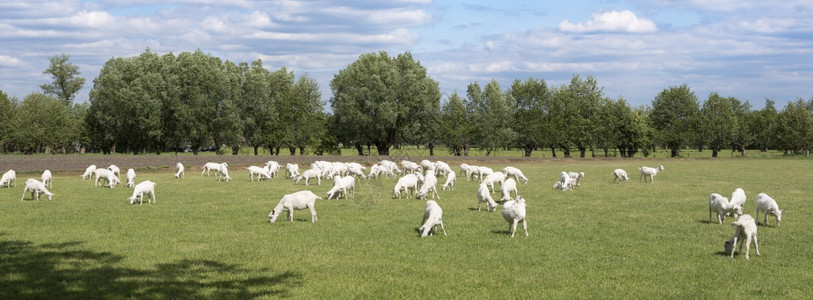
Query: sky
x=751, y=50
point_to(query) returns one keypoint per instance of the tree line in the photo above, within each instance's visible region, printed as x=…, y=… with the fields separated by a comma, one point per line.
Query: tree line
x=193, y=100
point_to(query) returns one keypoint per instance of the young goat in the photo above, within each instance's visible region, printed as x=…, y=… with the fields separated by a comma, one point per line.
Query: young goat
x=620, y=175
x=46, y=178
x=649, y=172
x=89, y=172
x=407, y=183
x=510, y=185
x=130, y=178
x=745, y=229
x=719, y=204
x=483, y=195
x=8, y=177
x=451, y=177
x=517, y=173
x=211, y=166
x=180, y=168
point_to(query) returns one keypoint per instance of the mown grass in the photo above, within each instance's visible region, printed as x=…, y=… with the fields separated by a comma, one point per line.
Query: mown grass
x=209, y=239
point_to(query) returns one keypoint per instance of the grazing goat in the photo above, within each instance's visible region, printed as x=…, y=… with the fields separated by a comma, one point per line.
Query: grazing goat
x=47, y=179
x=89, y=172
x=510, y=185
x=260, y=172
x=116, y=171
x=517, y=173
x=211, y=166
x=35, y=187
x=224, y=173
x=144, y=187
x=292, y=170
x=430, y=182
x=451, y=177
x=106, y=175
x=649, y=172
x=745, y=229
x=310, y=173
x=180, y=168
x=296, y=201
x=620, y=175
x=575, y=178
x=719, y=204
x=483, y=195
x=130, y=178
x=492, y=178
x=432, y=216
x=345, y=185
x=407, y=183
x=768, y=206
x=514, y=211
x=8, y=177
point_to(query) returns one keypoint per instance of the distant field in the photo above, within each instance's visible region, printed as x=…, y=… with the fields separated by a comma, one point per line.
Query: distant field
x=209, y=239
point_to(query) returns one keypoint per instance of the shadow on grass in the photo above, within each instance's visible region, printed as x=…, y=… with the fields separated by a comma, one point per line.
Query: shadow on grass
x=60, y=271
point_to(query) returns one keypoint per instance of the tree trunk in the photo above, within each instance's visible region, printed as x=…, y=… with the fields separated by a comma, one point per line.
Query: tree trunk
x=623, y=152
x=235, y=150
x=277, y=151
x=606, y=152
x=466, y=150
x=301, y=150
x=292, y=149
x=674, y=152
x=582, y=150
x=256, y=148
x=567, y=152
x=553, y=151
x=359, y=149
x=528, y=149
x=383, y=149
x=431, y=147
x=714, y=152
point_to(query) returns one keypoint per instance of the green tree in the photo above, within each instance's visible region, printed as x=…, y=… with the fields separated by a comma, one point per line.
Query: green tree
x=794, y=130
x=66, y=80
x=763, y=124
x=41, y=123
x=7, y=109
x=625, y=127
x=201, y=84
x=674, y=116
x=530, y=112
x=376, y=100
x=586, y=97
x=256, y=104
x=742, y=136
x=228, y=120
x=718, y=122
x=492, y=111
x=456, y=125
x=280, y=109
x=307, y=127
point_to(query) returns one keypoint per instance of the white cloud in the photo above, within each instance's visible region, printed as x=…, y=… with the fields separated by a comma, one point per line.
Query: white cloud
x=612, y=21
x=8, y=61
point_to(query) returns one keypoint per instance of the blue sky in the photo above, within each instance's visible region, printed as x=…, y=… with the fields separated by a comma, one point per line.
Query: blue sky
x=751, y=50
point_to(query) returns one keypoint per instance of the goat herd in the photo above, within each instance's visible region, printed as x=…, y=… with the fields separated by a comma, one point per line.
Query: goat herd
x=420, y=181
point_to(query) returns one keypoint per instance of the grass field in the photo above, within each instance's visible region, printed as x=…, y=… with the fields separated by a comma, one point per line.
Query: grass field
x=209, y=239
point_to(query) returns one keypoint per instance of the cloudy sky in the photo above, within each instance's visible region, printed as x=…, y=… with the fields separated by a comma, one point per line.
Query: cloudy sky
x=751, y=50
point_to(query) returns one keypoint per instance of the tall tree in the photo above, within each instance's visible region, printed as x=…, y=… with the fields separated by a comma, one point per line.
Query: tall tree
x=456, y=125
x=586, y=99
x=280, y=109
x=41, y=122
x=794, y=130
x=742, y=136
x=66, y=80
x=674, y=116
x=763, y=125
x=718, y=122
x=307, y=126
x=530, y=112
x=256, y=104
x=7, y=110
x=376, y=98
x=228, y=120
x=492, y=111
x=201, y=89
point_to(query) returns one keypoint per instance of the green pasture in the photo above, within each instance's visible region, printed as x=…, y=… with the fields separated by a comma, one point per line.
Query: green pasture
x=210, y=239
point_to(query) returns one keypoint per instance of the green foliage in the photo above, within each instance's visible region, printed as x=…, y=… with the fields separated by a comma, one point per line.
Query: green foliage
x=530, y=112
x=377, y=100
x=675, y=116
x=41, y=122
x=457, y=125
x=7, y=111
x=794, y=130
x=718, y=123
x=491, y=111
x=66, y=80
x=762, y=124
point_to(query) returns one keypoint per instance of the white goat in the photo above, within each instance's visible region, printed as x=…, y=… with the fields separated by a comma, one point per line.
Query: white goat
x=432, y=216
x=619, y=175
x=575, y=178
x=106, y=175
x=430, y=182
x=745, y=229
x=564, y=182
x=259, y=172
x=407, y=183
x=393, y=167
x=468, y=170
x=296, y=201
x=9, y=177
x=443, y=168
x=211, y=166
x=273, y=168
x=649, y=172
x=144, y=187
x=451, y=177
x=514, y=211
x=483, y=195
x=356, y=169
x=116, y=171
x=719, y=204
x=89, y=172
x=180, y=168
x=224, y=172
x=292, y=170
x=428, y=165
x=346, y=185
x=517, y=173
x=494, y=178
x=768, y=206
x=310, y=173
x=482, y=172
x=510, y=185
x=35, y=187
x=737, y=198
x=130, y=178
x=47, y=179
